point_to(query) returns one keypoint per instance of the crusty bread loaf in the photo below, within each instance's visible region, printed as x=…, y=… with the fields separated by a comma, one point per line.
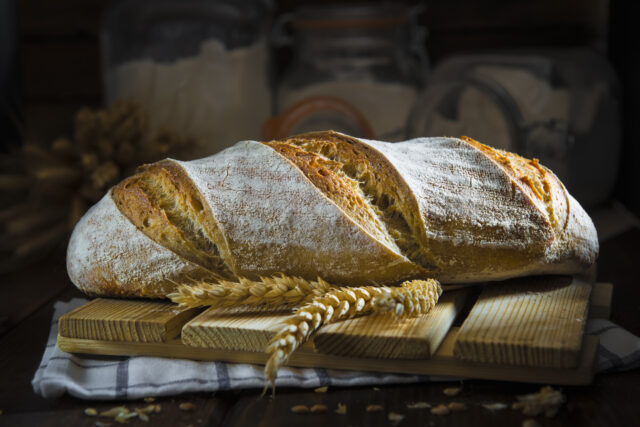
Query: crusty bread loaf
x=325, y=204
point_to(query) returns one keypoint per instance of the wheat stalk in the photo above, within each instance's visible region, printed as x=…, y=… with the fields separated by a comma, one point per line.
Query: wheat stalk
x=411, y=298
x=277, y=291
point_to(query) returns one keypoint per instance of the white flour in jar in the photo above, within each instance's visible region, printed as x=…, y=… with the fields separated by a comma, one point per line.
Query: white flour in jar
x=219, y=96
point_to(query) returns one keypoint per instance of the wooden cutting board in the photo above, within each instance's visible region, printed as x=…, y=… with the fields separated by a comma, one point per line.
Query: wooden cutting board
x=521, y=330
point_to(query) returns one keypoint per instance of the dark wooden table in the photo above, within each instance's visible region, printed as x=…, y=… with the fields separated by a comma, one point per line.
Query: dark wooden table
x=26, y=306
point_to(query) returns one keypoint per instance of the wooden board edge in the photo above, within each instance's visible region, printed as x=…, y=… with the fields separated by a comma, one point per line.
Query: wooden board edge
x=443, y=365
x=600, y=302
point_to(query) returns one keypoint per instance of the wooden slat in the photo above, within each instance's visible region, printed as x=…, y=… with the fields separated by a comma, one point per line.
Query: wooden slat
x=527, y=322
x=382, y=336
x=125, y=320
x=443, y=362
x=246, y=331
x=387, y=337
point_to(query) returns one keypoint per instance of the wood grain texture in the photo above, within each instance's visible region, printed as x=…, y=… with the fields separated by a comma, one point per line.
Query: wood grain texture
x=388, y=337
x=527, y=322
x=443, y=362
x=125, y=320
x=381, y=336
x=245, y=331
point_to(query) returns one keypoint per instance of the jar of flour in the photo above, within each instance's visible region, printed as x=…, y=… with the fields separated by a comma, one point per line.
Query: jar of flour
x=356, y=68
x=197, y=67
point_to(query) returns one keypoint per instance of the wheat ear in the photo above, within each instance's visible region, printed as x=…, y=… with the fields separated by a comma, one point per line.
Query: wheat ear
x=277, y=291
x=411, y=298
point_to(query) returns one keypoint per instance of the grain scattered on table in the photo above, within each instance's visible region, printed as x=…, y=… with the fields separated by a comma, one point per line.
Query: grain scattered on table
x=374, y=408
x=319, y=409
x=530, y=422
x=300, y=409
x=452, y=391
x=187, y=406
x=457, y=406
x=418, y=405
x=395, y=418
x=440, y=410
x=495, y=406
x=547, y=401
x=342, y=409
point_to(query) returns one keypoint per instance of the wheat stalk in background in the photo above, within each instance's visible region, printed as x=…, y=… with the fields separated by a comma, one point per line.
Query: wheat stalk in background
x=411, y=298
x=276, y=291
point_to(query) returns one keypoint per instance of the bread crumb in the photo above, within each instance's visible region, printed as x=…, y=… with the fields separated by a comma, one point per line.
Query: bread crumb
x=376, y=389
x=187, y=406
x=300, y=409
x=342, y=409
x=146, y=410
x=321, y=389
x=495, y=406
x=440, y=410
x=149, y=399
x=418, y=405
x=547, y=401
x=395, y=418
x=530, y=422
x=375, y=408
x=457, y=406
x=452, y=391
x=114, y=412
x=319, y=409
x=92, y=412
x=122, y=417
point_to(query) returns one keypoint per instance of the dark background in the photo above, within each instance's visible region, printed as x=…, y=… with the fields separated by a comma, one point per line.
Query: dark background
x=51, y=63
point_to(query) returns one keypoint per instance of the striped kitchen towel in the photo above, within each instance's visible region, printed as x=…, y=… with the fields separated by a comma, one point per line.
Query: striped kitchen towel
x=102, y=377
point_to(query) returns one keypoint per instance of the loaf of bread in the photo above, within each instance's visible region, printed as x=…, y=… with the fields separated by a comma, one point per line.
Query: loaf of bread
x=323, y=204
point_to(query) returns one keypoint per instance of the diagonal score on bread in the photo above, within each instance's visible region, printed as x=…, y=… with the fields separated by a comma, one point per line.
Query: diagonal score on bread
x=162, y=202
x=385, y=195
x=277, y=221
x=348, y=210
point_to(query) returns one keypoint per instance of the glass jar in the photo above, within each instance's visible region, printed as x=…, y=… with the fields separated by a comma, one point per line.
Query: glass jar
x=198, y=68
x=355, y=69
x=560, y=106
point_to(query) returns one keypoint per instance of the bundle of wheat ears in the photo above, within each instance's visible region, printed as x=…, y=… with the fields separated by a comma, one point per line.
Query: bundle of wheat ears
x=314, y=304
x=46, y=188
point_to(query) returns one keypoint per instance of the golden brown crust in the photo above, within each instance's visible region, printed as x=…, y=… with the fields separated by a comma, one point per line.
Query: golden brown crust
x=326, y=204
x=327, y=175
x=162, y=202
x=537, y=181
x=380, y=182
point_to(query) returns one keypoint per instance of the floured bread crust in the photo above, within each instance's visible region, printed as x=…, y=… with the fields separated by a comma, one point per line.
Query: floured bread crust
x=276, y=220
x=325, y=204
x=107, y=255
x=481, y=222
